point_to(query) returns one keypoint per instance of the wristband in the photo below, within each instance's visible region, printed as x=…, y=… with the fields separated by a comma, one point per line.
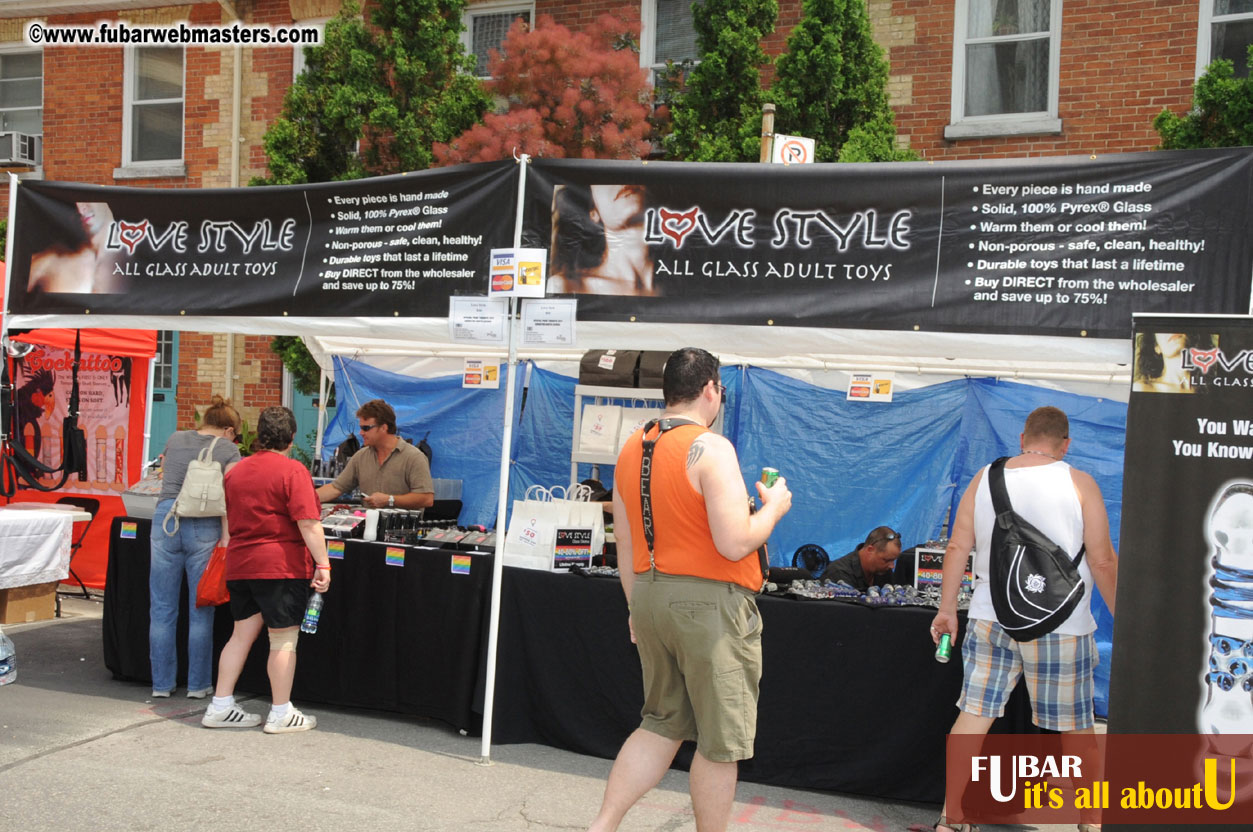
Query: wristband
x=319, y=566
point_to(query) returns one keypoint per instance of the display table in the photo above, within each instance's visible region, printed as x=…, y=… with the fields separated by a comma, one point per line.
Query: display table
x=35, y=543
x=408, y=638
x=852, y=699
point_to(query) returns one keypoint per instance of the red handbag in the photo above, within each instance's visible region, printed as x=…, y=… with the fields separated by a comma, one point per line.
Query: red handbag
x=211, y=591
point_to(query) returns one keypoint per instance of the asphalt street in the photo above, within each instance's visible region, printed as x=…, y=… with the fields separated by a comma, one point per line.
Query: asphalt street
x=81, y=751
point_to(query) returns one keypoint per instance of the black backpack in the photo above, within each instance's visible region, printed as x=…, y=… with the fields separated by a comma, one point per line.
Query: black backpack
x=1035, y=584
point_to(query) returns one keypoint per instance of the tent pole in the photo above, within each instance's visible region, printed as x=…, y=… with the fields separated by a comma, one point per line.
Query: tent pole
x=8, y=266
x=152, y=377
x=322, y=389
x=498, y=560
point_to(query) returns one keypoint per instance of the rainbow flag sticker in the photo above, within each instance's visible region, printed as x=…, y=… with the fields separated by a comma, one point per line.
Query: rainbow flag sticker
x=395, y=556
x=129, y=531
x=461, y=564
x=335, y=549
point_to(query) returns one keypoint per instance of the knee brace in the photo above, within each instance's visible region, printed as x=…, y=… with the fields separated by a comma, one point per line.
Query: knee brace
x=284, y=640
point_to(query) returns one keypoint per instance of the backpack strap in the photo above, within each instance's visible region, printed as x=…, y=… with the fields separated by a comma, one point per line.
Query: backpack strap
x=1001, y=504
x=206, y=453
x=165, y=524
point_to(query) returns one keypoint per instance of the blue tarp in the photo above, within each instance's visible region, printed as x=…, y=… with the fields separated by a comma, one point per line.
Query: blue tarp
x=851, y=465
x=464, y=426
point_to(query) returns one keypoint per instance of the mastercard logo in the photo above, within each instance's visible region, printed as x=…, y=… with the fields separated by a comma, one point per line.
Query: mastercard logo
x=502, y=281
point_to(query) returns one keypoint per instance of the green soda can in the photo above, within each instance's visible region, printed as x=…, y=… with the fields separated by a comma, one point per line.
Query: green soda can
x=768, y=476
x=944, y=650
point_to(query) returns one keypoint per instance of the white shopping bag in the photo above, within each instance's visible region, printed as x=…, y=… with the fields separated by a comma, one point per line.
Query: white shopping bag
x=634, y=418
x=577, y=512
x=598, y=430
x=532, y=530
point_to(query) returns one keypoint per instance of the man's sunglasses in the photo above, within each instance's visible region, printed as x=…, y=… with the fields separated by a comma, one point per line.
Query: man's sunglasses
x=366, y=428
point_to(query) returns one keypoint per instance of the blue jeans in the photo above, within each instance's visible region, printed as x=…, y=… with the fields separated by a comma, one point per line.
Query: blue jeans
x=186, y=552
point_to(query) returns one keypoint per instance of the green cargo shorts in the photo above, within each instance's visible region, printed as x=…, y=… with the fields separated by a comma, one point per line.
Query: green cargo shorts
x=700, y=651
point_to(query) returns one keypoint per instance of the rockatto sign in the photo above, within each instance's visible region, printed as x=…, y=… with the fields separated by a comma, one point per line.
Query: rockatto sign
x=1058, y=246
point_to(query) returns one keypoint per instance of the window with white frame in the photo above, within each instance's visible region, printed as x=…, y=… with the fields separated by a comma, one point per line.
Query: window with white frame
x=1005, y=67
x=298, y=52
x=21, y=91
x=1226, y=32
x=666, y=34
x=153, y=112
x=486, y=27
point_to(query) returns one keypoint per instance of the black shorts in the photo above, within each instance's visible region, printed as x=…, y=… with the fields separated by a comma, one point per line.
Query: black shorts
x=281, y=601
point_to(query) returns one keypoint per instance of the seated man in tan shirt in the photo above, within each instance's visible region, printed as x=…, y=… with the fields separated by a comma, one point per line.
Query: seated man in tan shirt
x=388, y=470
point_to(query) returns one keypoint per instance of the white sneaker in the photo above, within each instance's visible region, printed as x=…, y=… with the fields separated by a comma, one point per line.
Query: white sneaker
x=200, y=693
x=161, y=694
x=290, y=722
x=232, y=717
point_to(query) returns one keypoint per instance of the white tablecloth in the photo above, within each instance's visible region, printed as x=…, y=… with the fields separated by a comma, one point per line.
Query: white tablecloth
x=34, y=546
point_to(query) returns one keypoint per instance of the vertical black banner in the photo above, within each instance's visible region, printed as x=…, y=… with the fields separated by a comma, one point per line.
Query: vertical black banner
x=392, y=245
x=1183, y=631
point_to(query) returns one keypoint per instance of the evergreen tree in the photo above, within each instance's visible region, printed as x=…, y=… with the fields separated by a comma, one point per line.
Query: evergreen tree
x=571, y=94
x=832, y=80
x=1221, y=114
x=375, y=97
x=717, y=115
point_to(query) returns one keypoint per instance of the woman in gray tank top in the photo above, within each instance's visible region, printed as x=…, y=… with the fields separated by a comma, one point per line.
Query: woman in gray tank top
x=186, y=552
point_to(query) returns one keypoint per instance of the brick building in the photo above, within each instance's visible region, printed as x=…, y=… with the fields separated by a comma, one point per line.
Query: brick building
x=160, y=118
x=969, y=79
x=991, y=78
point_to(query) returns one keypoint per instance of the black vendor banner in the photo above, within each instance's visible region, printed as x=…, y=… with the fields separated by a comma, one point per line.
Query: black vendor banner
x=1185, y=583
x=1183, y=627
x=1058, y=246
x=394, y=245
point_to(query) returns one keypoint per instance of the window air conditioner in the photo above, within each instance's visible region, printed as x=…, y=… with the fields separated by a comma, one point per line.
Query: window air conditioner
x=20, y=149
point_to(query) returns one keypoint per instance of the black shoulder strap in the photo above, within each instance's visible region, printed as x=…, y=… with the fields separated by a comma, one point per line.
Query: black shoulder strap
x=996, y=484
x=646, y=500
x=1001, y=504
x=646, y=472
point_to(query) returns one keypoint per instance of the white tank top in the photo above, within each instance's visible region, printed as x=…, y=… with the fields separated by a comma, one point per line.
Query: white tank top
x=1045, y=496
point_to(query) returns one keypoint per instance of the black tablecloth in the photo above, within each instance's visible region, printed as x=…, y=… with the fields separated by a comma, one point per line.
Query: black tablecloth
x=852, y=699
x=405, y=638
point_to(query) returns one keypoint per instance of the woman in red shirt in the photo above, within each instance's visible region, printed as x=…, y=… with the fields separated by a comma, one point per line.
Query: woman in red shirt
x=275, y=521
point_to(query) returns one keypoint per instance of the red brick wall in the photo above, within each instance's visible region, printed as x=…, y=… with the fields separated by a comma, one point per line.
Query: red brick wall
x=192, y=391
x=1118, y=70
x=254, y=351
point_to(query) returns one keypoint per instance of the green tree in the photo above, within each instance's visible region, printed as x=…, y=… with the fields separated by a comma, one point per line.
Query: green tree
x=391, y=87
x=831, y=81
x=717, y=115
x=306, y=374
x=1221, y=114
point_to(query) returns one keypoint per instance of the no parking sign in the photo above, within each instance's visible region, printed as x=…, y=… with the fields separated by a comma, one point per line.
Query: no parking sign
x=792, y=150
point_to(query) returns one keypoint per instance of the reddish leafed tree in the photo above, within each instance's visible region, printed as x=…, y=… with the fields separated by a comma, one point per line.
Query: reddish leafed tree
x=571, y=95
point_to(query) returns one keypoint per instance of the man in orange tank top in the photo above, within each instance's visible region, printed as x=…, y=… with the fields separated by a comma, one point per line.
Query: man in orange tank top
x=687, y=556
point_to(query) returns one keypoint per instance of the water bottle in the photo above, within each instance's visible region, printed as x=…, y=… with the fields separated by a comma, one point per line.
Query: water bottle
x=313, y=611
x=8, y=660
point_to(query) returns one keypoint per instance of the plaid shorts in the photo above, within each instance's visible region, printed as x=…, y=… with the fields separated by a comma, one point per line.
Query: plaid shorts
x=1059, y=670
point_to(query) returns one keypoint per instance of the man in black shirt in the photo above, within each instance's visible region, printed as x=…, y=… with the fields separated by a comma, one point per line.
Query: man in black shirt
x=870, y=564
